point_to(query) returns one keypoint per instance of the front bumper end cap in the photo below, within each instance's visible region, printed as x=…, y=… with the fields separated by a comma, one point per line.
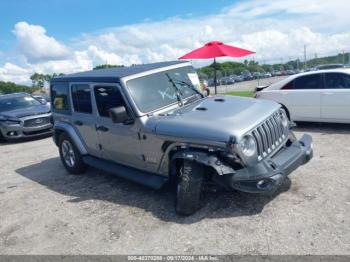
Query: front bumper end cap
x=268, y=175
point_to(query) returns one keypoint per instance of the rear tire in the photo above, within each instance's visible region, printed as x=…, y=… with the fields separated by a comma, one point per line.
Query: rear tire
x=189, y=188
x=70, y=155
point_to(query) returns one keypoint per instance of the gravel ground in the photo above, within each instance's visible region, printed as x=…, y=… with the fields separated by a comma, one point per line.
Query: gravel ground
x=46, y=211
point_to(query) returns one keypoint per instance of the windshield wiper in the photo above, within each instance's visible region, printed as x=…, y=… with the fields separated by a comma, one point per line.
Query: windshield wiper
x=177, y=90
x=191, y=86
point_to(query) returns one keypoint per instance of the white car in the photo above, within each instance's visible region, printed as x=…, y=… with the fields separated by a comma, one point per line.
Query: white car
x=319, y=96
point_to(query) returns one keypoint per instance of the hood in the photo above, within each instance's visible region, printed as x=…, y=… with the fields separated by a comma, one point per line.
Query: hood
x=28, y=111
x=214, y=118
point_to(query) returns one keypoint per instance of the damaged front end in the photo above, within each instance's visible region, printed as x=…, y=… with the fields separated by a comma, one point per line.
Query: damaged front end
x=259, y=160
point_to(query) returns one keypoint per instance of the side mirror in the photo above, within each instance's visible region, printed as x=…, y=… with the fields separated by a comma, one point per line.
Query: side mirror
x=43, y=101
x=118, y=114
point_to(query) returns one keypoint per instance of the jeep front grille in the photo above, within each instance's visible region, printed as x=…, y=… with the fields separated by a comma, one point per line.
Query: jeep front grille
x=270, y=135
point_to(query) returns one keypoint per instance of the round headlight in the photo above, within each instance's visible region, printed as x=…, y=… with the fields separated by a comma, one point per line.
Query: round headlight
x=248, y=145
x=284, y=118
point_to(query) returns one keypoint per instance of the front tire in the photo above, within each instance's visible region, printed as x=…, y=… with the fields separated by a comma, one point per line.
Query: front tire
x=287, y=111
x=70, y=155
x=2, y=139
x=189, y=188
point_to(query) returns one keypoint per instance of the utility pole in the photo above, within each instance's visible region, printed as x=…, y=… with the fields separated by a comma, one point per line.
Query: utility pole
x=305, y=63
x=343, y=57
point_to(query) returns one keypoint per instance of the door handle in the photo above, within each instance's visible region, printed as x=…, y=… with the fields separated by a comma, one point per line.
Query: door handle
x=328, y=93
x=102, y=128
x=78, y=123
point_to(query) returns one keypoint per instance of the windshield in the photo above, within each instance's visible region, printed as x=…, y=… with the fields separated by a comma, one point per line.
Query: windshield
x=19, y=102
x=155, y=91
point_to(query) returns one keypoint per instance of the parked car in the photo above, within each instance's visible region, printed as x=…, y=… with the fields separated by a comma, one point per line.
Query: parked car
x=278, y=73
x=227, y=81
x=257, y=75
x=267, y=74
x=310, y=69
x=329, y=66
x=320, y=96
x=237, y=78
x=41, y=99
x=247, y=75
x=149, y=124
x=289, y=72
x=211, y=82
x=21, y=116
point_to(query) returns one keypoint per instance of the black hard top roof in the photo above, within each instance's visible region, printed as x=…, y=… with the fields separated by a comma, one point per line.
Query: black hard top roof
x=112, y=74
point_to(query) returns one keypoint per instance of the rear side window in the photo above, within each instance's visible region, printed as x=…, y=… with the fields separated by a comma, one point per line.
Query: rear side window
x=337, y=81
x=107, y=97
x=289, y=85
x=59, y=98
x=81, y=97
x=308, y=82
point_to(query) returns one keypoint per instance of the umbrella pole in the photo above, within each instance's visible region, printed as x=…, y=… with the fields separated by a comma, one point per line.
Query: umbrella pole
x=215, y=76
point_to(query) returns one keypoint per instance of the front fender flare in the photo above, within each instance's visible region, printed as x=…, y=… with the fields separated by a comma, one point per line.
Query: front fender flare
x=206, y=159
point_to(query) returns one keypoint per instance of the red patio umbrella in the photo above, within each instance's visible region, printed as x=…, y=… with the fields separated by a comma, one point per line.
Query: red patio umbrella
x=216, y=49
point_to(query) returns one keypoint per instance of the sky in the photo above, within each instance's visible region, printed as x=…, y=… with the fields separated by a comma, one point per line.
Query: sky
x=61, y=36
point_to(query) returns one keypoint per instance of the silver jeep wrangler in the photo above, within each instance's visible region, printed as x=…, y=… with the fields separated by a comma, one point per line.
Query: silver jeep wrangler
x=151, y=124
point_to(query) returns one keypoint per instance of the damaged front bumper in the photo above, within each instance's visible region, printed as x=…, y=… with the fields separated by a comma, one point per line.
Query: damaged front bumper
x=269, y=174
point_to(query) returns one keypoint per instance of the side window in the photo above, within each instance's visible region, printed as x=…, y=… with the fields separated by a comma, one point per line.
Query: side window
x=309, y=82
x=107, y=97
x=81, y=97
x=289, y=85
x=337, y=81
x=59, y=97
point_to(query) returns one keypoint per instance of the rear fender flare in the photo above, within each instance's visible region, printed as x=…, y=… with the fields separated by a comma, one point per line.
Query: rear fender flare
x=70, y=130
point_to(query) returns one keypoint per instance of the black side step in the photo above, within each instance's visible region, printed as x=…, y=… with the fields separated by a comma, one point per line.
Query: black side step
x=132, y=174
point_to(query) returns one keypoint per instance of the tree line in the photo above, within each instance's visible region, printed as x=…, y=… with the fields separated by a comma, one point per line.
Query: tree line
x=229, y=68
x=225, y=68
x=38, y=83
x=9, y=87
x=38, y=80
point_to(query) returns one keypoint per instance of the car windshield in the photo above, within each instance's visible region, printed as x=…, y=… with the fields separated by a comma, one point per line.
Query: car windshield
x=157, y=90
x=19, y=102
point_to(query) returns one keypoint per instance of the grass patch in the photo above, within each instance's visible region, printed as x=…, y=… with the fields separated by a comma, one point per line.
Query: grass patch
x=241, y=93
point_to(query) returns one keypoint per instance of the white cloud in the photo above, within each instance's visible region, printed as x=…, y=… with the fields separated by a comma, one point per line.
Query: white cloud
x=273, y=29
x=80, y=61
x=13, y=73
x=36, y=46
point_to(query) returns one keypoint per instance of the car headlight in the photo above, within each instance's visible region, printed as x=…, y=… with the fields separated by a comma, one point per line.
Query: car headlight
x=11, y=122
x=248, y=146
x=284, y=118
